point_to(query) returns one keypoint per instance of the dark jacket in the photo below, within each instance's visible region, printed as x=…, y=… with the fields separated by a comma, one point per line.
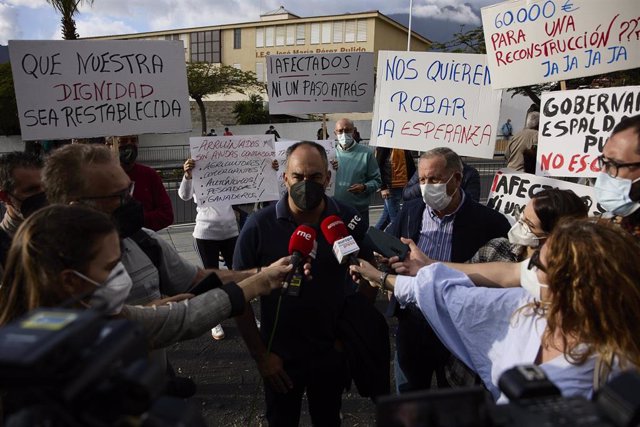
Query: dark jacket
x=473, y=226
x=470, y=184
x=382, y=154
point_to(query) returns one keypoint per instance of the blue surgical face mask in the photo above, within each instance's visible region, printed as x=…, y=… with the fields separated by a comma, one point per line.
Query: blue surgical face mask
x=345, y=140
x=613, y=194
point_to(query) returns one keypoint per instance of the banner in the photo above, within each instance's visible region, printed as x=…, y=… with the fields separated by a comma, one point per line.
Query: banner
x=281, y=156
x=575, y=125
x=538, y=41
x=320, y=83
x=233, y=169
x=83, y=89
x=511, y=191
x=426, y=100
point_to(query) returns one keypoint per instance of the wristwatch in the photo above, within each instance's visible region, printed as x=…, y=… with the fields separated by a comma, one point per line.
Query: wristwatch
x=383, y=280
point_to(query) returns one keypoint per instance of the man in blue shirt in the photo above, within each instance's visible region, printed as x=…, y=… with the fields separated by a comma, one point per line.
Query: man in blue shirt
x=358, y=175
x=303, y=353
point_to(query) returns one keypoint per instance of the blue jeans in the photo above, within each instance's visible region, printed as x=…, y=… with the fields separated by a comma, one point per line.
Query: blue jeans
x=391, y=208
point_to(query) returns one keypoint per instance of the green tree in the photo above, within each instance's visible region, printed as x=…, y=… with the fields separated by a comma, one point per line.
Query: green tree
x=9, y=123
x=208, y=79
x=251, y=112
x=68, y=8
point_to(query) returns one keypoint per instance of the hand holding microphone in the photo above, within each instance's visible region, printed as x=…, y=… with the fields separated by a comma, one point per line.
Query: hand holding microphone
x=301, y=245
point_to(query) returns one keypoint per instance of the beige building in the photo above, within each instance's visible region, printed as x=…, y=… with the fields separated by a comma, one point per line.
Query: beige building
x=246, y=45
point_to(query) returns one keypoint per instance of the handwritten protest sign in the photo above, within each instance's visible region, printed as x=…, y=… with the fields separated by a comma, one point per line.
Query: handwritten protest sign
x=427, y=100
x=575, y=125
x=511, y=191
x=320, y=83
x=85, y=89
x=233, y=169
x=281, y=156
x=537, y=41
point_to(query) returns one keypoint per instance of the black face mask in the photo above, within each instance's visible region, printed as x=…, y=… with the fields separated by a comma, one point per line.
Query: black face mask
x=128, y=154
x=129, y=218
x=307, y=195
x=32, y=204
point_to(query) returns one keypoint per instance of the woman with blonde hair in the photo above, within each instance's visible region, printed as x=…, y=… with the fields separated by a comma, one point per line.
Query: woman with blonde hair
x=583, y=328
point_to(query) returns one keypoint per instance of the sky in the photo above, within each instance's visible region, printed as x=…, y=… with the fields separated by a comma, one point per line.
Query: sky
x=37, y=20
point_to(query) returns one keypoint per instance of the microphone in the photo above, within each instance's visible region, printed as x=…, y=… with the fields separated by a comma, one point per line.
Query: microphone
x=301, y=244
x=345, y=247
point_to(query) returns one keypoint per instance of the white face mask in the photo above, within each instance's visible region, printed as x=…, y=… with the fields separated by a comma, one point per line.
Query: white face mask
x=521, y=234
x=114, y=291
x=613, y=194
x=529, y=279
x=345, y=140
x=435, y=195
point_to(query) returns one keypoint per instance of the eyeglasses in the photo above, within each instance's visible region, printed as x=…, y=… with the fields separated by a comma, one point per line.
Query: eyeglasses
x=534, y=261
x=124, y=195
x=611, y=167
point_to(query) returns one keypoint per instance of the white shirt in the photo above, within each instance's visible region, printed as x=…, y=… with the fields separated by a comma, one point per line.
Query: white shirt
x=212, y=222
x=480, y=327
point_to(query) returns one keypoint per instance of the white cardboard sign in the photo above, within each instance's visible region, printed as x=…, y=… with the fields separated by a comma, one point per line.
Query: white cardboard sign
x=82, y=89
x=233, y=169
x=320, y=83
x=426, y=100
x=538, y=41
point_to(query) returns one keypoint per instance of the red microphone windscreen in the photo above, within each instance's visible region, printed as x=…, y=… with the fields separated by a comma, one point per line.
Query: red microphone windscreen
x=302, y=240
x=333, y=229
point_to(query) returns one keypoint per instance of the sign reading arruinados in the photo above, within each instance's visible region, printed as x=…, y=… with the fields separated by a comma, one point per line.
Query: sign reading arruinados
x=82, y=89
x=233, y=169
x=320, y=83
x=511, y=191
x=426, y=100
x=575, y=125
x=537, y=41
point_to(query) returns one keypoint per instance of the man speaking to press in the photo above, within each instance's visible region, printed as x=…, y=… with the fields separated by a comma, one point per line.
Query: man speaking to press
x=303, y=353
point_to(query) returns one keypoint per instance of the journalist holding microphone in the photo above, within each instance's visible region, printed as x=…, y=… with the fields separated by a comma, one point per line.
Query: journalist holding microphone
x=295, y=348
x=580, y=332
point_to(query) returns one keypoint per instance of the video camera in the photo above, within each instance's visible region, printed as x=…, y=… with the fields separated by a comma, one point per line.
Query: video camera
x=78, y=367
x=533, y=401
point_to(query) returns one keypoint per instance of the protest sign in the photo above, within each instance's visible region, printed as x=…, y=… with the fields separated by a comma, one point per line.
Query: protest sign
x=537, y=41
x=320, y=83
x=575, y=125
x=512, y=190
x=83, y=89
x=233, y=169
x=426, y=100
x=281, y=156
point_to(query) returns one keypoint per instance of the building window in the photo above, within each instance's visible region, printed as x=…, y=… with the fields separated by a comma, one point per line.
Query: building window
x=205, y=46
x=259, y=37
x=172, y=37
x=326, y=32
x=291, y=35
x=237, y=38
x=280, y=34
x=260, y=71
x=300, y=34
x=362, y=31
x=337, y=31
x=269, y=33
x=315, y=33
x=350, y=31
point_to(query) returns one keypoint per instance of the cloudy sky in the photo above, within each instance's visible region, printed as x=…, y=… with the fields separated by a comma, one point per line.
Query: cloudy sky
x=36, y=19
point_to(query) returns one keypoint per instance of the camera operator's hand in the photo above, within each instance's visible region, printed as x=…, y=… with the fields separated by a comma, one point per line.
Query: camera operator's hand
x=272, y=370
x=414, y=261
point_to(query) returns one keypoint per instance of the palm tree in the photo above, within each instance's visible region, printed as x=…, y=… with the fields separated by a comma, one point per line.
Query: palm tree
x=67, y=9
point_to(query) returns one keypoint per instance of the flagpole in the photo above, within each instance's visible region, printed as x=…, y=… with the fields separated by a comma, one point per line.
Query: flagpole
x=409, y=35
